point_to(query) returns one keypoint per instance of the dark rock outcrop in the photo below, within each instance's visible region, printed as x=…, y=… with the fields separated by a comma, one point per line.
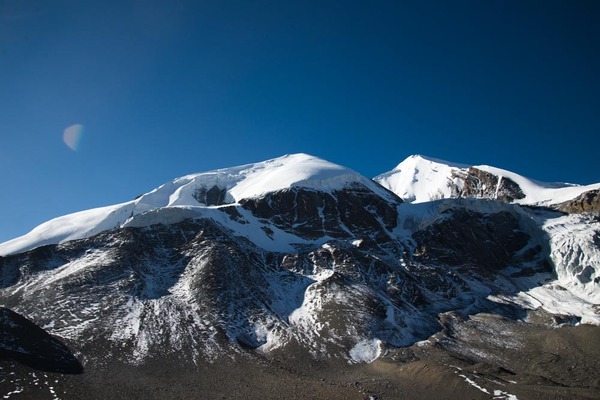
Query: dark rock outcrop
x=214, y=196
x=23, y=341
x=489, y=242
x=340, y=214
x=481, y=184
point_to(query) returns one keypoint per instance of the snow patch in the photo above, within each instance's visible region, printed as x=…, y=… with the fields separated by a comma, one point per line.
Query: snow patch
x=473, y=383
x=366, y=350
x=500, y=395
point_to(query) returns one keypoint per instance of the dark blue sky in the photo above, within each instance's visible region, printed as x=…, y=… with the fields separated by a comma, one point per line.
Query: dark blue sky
x=167, y=88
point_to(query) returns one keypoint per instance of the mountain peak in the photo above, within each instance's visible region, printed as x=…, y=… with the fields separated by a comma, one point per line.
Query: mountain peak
x=252, y=180
x=420, y=159
x=195, y=194
x=420, y=179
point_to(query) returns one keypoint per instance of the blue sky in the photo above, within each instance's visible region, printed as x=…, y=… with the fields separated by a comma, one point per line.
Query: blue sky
x=167, y=88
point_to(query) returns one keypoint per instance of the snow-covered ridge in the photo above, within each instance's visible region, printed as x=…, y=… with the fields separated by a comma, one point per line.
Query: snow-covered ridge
x=419, y=179
x=252, y=180
x=246, y=181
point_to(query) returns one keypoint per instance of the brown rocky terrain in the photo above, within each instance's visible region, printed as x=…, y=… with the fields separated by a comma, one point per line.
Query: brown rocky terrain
x=483, y=357
x=586, y=202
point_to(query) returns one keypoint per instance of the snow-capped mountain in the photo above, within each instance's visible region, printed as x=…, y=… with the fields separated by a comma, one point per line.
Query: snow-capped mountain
x=193, y=195
x=419, y=179
x=299, y=258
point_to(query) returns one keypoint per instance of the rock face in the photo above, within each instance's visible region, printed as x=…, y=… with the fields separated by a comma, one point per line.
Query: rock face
x=586, y=202
x=488, y=242
x=339, y=214
x=481, y=184
x=214, y=196
x=356, y=278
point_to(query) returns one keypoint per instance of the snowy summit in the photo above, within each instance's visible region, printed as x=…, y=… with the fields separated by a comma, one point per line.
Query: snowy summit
x=419, y=179
x=193, y=192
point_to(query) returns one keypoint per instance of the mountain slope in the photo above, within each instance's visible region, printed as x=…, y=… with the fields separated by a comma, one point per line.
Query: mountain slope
x=292, y=262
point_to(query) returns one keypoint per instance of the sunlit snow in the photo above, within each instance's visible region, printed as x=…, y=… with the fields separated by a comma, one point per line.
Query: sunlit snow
x=247, y=181
x=421, y=179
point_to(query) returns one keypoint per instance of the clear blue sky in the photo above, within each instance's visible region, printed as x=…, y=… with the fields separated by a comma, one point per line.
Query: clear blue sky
x=167, y=88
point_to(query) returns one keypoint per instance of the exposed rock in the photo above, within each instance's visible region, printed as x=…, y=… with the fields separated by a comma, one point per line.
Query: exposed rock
x=197, y=289
x=586, y=202
x=481, y=184
x=214, y=196
x=488, y=241
x=340, y=214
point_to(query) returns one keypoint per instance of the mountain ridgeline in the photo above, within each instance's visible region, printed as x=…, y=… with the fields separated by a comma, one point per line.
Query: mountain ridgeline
x=298, y=260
